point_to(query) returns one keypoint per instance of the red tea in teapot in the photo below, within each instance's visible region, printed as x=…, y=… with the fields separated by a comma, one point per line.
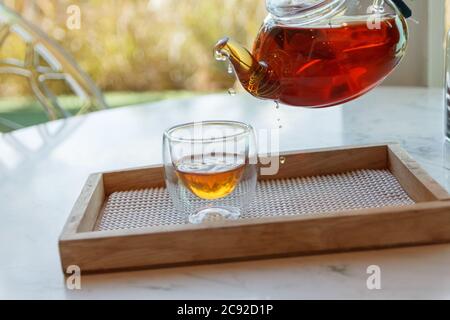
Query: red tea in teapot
x=312, y=66
x=330, y=65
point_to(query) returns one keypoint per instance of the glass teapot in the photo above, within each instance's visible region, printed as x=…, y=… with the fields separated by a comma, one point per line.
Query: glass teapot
x=320, y=53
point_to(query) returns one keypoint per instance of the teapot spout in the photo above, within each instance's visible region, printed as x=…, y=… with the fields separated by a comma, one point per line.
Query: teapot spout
x=256, y=77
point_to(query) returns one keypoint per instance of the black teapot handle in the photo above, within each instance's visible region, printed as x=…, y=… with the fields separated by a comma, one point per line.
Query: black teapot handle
x=403, y=7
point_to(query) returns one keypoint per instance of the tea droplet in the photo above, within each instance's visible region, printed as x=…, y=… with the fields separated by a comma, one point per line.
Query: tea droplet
x=220, y=56
x=231, y=92
x=282, y=160
x=277, y=114
x=230, y=68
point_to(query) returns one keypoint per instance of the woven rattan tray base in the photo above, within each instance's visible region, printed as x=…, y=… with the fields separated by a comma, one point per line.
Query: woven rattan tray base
x=320, y=201
x=296, y=196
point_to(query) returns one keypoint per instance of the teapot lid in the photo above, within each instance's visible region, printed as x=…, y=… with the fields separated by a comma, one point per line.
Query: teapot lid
x=287, y=8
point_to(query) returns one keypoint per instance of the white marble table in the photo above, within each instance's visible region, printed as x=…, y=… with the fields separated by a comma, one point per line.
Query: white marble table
x=43, y=168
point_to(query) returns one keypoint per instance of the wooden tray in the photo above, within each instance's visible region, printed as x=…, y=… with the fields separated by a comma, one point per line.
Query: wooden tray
x=333, y=200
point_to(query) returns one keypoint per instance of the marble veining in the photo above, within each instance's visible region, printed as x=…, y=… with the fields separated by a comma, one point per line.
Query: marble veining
x=43, y=168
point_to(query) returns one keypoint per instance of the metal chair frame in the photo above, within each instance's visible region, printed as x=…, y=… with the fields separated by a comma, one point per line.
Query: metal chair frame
x=59, y=66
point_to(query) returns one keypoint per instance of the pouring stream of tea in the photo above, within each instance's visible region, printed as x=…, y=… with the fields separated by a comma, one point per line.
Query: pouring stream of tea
x=232, y=92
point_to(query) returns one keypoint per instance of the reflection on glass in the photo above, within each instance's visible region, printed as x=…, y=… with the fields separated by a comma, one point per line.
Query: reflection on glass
x=210, y=168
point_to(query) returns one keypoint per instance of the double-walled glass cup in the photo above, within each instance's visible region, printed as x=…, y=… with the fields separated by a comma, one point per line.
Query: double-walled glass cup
x=210, y=168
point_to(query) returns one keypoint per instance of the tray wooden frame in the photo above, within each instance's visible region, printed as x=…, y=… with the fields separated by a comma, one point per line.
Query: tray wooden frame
x=425, y=222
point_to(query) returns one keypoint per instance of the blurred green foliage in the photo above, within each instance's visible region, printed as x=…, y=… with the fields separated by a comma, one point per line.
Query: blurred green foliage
x=141, y=45
x=26, y=111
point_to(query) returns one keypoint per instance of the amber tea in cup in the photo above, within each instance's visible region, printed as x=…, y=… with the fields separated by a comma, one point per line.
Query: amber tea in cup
x=212, y=177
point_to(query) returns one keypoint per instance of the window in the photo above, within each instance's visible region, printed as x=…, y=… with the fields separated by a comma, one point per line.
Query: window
x=424, y=62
